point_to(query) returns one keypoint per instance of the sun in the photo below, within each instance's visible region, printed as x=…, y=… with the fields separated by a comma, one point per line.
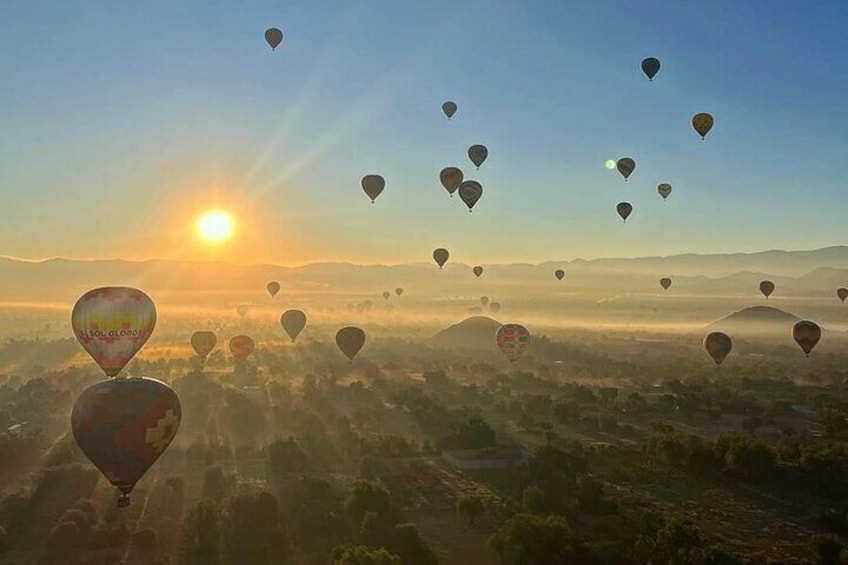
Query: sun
x=214, y=227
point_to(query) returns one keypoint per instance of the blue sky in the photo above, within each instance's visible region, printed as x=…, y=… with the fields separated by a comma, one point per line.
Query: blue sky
x=122, y=123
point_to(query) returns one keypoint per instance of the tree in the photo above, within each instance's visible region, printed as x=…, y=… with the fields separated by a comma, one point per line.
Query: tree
x=411, y=547
x=470, y=506
x=541, y=540
x=361, y=555
x=252, y=532
x=677, y=542
x=217, y=485
x=201, y=535
x=826, y=548
x=367, y=496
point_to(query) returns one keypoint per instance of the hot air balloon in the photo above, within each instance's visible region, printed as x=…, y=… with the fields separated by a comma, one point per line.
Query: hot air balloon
x=484, y=300
x=441, y=256
x=718, y=345
x=766, y=287
x=399, y=291
x=241, y=346
x=273, y=288
x=242, y=310
x=386, y=295
x=495, y=307
x=702, y=123
x=664, y=189
x=470, y=192
x=449, y=108
x=451, y=178
x=478, y=154
x=478, y=270
x=650, y=66
x=559, y=273
x=293, y=321
x=624, y=210
x=665, y=282
x=513, y=340
x=373, y=185
x=112, y=324
x=123, y=426
x=806, y=334
x=274, y=37
x=203, y=343
x=842, y=293
x=625, y=166
x=350, y=340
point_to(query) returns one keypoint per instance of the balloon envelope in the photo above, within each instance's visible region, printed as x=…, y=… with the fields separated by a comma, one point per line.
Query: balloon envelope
x=470, y=192
x=484, y=300
x=842, y=293
x=449, y=108
x=399, y=291
x=203, y=343
x=766, y=287
x=478, y=270
x=625, y=166
x=350, y=340
x=293, y=321
x=386, y=295
x=702, y=123
x=513, y=340
x=451, y=178
x=112, y=324
x=373, y=185
x=624, y=210
x=718, y=345
x=665, y=282
x=478, y=154
x=273, y=36
x=495, y=307
x=441, y=256
x=242, y=310
x=273, y=288
x=124, y=425
x=559, y=273
x=650, y=66
x=806, y=334
x=241, y=346
x=664, y=189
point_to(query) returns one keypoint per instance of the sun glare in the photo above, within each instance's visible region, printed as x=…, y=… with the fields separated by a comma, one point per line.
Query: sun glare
x=214, y=227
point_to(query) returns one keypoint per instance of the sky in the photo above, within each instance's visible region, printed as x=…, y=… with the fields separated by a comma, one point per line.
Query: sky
x=122, y=122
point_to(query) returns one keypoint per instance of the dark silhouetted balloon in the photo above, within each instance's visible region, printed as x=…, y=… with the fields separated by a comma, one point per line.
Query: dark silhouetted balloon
x=451, y=178
x=293, y=321
x=449, y=108
x=512, y=340
x=273, y=288
x=718, y=345
x=842, y=293
x=274, y=37
x=495, y=307
x=112, y=323
x=123, y=426
x=702, y=123
x=242, y=310
x=470, y=192
x=650, y=66
x=625, y=166
x=386, y=295
x=373, y=185
x=478, y=154
x=350, y=340
x=624, y=210
x=664, y=189
x=441, y=256
x=665, y=282
x=478, y=270
x=241, y=346
x=806, y=334
x=203, y=343
x=484, y=300
x=399, y=291
x=559, y=274
x=766, y=287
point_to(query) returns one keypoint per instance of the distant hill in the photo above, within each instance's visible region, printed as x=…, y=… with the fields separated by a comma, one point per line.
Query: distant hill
x=756, y=320
x=476, y=332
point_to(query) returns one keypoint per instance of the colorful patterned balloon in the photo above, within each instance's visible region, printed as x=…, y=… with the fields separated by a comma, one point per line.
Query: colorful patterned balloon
x=513, y=340
x=241, y=346
x=124, y=425
x=112, y=324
